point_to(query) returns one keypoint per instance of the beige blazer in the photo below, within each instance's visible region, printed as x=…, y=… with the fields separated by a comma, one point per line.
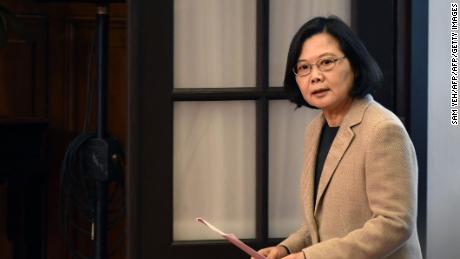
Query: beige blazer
x=366, y=204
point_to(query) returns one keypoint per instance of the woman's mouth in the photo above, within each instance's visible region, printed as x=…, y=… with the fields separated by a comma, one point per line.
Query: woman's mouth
x=320, y=92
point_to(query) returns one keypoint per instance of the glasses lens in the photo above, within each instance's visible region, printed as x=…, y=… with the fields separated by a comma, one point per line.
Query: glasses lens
x=302, y=69
x=326, y=64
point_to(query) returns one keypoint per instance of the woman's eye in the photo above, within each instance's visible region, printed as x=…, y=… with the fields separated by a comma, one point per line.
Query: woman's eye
x=326, y=61
x=302, y=67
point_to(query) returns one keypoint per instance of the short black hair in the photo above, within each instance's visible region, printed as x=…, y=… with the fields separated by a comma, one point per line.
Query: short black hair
x=367, y=72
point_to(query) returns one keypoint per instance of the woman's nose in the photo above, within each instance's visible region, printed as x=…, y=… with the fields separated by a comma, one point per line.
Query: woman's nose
x=315, y=75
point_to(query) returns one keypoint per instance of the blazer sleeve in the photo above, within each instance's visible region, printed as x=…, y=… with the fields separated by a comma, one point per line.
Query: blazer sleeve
x=391, y=186
x=298, y=240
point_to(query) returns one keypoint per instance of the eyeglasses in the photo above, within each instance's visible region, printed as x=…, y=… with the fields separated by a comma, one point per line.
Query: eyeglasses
x=323, y=65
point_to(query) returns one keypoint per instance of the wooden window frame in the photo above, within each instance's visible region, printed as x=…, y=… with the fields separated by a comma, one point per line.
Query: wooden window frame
x=150, y=121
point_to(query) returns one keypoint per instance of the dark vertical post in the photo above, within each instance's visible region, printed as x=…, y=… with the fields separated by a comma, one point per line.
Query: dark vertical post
x=402, y=60
x=380, y=45
x=102, y=21
x=419, y=104
x=101, y=184
x=150, y=156
x=262, y=22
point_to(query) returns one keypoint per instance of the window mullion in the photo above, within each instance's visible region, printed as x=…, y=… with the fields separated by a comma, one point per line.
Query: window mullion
x=262, y=23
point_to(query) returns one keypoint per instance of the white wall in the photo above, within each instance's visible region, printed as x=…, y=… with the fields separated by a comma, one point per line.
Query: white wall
x=443, y=204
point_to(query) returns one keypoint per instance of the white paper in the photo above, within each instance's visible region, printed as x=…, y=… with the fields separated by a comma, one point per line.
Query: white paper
x=232, y=239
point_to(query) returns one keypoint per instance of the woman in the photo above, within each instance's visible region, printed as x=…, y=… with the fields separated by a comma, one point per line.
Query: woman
x=359, y=179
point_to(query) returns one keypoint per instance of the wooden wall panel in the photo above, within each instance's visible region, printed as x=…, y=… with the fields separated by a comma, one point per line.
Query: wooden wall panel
x=23, y=88
x=44, y=75
x=5, y=245
x=17, y=75
x=22, y=71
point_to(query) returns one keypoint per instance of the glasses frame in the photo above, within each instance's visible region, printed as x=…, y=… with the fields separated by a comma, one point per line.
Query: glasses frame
x=334, y=61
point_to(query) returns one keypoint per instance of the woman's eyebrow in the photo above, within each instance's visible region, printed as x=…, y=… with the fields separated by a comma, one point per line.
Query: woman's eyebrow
x=319, y=57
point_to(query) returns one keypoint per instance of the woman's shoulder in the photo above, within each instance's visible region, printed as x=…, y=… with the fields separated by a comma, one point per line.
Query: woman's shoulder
x=379, y=122
x=376, y=114
x=381, y=127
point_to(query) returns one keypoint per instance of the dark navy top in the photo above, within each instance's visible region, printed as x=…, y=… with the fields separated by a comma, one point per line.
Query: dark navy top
x=325, y=142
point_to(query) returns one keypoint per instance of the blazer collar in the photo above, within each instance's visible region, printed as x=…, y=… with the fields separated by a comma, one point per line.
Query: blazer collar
x=356, y=113
x=340, y=144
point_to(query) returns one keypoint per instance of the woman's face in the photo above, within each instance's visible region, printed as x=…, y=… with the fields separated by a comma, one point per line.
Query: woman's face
x=326, y=90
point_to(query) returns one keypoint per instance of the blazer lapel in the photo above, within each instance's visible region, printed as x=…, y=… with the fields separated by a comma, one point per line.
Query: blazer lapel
x=340, y=144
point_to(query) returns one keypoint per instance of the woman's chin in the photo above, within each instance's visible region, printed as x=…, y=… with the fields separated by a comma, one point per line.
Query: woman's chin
x=320, y=104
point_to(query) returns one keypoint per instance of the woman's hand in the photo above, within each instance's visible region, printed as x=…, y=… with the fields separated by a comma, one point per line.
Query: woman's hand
x=295, y=256
x=273, y=252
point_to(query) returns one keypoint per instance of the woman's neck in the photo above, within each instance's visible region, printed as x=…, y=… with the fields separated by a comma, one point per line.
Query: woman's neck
x=334, y=117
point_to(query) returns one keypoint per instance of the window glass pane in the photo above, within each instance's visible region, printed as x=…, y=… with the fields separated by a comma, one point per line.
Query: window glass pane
x=214, y=43
x=287, y=126
x=286, y=17
x=214, y=168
